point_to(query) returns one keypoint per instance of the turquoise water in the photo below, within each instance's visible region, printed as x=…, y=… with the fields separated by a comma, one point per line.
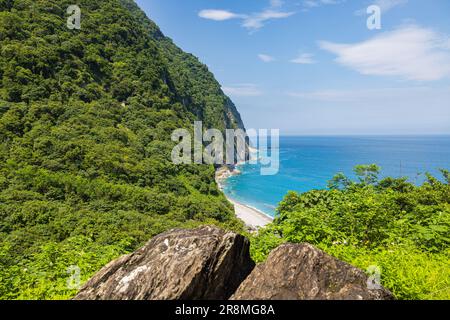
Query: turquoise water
x=308, y=163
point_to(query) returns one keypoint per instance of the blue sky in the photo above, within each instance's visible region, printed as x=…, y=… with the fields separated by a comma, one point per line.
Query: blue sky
x=313, y=67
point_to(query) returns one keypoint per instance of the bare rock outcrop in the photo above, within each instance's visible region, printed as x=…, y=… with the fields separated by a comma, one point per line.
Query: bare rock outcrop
x=210, y=263
x=202, y=263
x=301, y=271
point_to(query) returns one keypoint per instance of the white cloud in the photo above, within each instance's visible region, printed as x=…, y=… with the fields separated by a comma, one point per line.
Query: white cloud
x=258, y=20
x=265, y=57
x=311, y=3
x=252, y=21
x=385, y=6
x=242, y=90
x=366, y=95
x=410, y=52
x=276, y=3
x=304, y=58
x=353, y=95
x=218, y=15
x=317, y=3
x=388, y=110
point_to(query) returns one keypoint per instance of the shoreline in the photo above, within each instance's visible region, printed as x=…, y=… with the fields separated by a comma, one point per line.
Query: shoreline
x=252, y=217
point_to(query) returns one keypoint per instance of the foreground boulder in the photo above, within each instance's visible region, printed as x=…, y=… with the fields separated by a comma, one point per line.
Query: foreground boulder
x=300, y=271
x=203, y=263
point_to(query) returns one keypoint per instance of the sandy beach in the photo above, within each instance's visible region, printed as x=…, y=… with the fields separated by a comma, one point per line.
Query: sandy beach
x=251, y=217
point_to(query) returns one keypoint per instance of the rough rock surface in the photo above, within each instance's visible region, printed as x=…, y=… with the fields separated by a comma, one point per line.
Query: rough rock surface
x=300, y=271
x=203, y=263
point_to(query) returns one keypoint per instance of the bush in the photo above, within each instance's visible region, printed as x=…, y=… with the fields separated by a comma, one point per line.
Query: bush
x=402, y=228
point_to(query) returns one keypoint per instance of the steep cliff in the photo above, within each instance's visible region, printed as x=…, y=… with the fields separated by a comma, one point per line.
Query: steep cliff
x=86, y=118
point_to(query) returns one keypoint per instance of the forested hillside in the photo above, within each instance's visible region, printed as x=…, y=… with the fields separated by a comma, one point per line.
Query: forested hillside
x=86, y=118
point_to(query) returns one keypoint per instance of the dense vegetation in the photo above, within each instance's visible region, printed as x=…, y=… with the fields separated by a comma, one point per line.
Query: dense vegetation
x=85, y=172
x=86, y=118
x=401, y=228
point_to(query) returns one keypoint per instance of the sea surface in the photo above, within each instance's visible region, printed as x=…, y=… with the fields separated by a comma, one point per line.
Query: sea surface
x=307, y=163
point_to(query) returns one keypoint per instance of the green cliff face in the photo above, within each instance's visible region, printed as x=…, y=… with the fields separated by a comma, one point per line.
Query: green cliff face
x=86, y=118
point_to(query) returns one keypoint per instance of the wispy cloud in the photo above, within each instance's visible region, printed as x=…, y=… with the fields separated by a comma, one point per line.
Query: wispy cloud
x=276, y=3
x=253, y=21
x=370, y=95
x=242, y=90
x=402, y=97
x=218, y=15
x=309, y=4
x=385, y=5
x=265, y=57
x=410, y=52
x=257, y=20
x=304, y=58
x=387, y=110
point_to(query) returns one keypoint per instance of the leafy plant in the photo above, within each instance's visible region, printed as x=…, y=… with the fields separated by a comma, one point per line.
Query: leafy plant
x=400, y=227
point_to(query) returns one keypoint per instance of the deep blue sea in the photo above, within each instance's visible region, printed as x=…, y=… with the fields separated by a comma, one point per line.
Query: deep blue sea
x=308, y=163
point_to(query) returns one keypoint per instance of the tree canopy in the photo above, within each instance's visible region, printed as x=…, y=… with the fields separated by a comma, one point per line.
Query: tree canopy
x=86, y=118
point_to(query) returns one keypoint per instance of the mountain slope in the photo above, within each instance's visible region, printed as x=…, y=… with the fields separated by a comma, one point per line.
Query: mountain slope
x=85, y=123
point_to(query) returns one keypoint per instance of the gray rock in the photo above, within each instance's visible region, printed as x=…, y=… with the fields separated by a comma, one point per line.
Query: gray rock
x=203, y=263
x=300, y=271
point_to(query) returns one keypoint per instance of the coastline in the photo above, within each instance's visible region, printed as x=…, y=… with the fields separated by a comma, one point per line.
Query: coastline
x=252, y=217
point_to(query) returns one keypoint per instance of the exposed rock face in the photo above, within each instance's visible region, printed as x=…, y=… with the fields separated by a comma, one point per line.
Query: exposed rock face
x=300, y=271
x=204, y=263
x=210, y=263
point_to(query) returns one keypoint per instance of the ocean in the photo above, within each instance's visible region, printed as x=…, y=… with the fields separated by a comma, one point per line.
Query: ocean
x=308, y=163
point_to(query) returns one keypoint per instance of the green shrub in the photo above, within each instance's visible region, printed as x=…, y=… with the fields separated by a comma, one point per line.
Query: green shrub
x=399, y=227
